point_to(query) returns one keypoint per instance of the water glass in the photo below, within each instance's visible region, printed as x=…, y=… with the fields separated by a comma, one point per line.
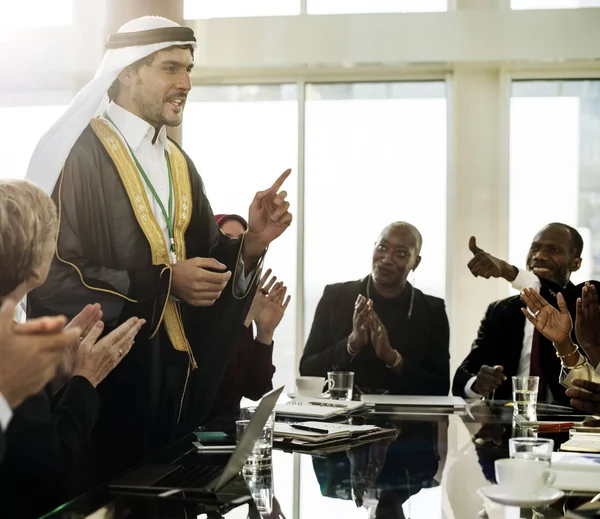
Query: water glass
x=525, y=395
x=261, y=490
x=340, y=384
x=539, y=449
x=523, y=431
x=260, y=460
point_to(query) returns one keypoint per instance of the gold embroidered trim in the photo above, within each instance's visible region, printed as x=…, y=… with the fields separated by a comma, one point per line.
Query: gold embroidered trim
x=97, y=289
x=136, y=192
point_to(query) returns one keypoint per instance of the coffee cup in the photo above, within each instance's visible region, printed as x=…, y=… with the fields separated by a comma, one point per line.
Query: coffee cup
x=523, y=478
x=310, y=386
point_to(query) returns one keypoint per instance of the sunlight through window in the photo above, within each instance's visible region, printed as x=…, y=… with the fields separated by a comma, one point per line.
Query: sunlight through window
x=36, y=13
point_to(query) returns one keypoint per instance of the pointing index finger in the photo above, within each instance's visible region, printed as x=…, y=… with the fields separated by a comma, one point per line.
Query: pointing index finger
x=279, y=182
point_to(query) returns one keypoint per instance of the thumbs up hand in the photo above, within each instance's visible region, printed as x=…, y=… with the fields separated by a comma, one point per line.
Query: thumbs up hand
x=484, y=265
x=473, y=246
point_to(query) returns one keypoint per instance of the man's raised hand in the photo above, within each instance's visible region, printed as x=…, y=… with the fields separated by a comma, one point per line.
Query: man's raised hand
x=484, y=265
x=268, y=216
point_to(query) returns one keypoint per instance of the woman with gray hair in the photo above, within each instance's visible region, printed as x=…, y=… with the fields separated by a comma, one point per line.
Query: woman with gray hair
x=47, y=433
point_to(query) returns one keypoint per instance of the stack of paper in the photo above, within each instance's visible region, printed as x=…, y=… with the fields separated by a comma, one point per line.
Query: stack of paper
x=326, y=437
x=331, y=431
x=316, y=408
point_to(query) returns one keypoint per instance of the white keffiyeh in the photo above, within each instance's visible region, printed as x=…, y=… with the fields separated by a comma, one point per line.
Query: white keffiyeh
x=54, y=147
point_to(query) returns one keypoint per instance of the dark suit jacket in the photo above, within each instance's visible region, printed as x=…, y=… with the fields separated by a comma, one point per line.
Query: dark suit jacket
x=500, y=341
x=249, y=373
x=45, y=444
x=424, y=344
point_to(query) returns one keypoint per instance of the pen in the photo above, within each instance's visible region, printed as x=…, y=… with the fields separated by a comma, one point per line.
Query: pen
x=309, y=429
x=325, y=404
x=555, y=427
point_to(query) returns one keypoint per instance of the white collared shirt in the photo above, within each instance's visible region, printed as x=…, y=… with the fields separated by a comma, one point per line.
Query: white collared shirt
x=151, y=155
x=5, y=413
x=526, y=279
x=149, y=149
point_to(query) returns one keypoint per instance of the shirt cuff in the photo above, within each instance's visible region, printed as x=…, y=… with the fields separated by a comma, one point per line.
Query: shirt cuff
x=567, y=375
x=596, y=374
x=526, y=279
x=469, y=393
x=5, y=413
x=243, y=281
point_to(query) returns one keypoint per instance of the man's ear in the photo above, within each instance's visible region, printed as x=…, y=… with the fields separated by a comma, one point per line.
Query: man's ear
x=127, y=76
x=35, y=277
x=417, y=263
x=576, y=264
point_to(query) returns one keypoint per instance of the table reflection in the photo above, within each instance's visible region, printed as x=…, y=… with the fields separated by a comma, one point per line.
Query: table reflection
x=380, y=477
x=431, y=470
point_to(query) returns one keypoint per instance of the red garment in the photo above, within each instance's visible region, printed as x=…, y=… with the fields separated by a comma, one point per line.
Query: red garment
x=249, y=373
x=535, y=366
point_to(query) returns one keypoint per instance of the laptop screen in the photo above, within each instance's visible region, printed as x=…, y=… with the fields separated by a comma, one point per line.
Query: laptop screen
x=246, y=444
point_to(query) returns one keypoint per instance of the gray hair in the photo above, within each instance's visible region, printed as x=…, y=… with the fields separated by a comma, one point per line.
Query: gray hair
x=28, y=220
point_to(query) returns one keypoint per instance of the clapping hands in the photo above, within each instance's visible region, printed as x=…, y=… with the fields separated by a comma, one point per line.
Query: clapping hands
x=367, y=326
x=587, y=323
x=268, y=307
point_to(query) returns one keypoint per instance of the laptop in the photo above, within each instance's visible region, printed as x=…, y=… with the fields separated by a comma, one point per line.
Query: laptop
x=192, y=482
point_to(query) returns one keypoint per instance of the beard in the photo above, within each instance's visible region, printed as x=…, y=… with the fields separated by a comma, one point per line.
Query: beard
x=152, y=108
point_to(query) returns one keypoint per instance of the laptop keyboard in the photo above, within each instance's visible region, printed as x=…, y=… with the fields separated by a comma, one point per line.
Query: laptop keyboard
x=190, y=477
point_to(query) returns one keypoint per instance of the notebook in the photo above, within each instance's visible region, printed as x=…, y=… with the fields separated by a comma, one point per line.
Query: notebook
x=576, y=471
x=334, y=431
x=339, y=437
x=317, y=408
x=582, y=442
x=415, y=401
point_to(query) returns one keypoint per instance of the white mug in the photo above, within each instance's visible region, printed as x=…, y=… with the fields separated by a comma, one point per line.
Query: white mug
x=310, y=386
x=523, y=478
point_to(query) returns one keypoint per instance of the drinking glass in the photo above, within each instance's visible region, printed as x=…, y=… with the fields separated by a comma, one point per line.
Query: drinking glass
x=539, y=449
x=525, y=395
x=340, y=384
x=260, y=460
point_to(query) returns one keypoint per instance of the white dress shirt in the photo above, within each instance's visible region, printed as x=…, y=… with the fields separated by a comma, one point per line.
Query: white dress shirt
x=526, y=279
x=149, y=149
x=5, y=413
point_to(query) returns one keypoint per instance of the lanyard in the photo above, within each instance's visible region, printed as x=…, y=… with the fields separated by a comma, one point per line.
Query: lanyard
x=167, y=215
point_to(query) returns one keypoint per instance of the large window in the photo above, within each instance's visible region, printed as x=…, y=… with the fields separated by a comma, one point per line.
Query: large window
x=555, y=164
x=375, y=6
x=22, y=129
x=241, y=139
x=553, y=4
x=375, y=154
x=202, y=9
x=36, y=13
x=194, y=9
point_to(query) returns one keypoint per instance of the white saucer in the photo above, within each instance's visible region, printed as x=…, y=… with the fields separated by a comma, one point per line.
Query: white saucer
x=499, y=495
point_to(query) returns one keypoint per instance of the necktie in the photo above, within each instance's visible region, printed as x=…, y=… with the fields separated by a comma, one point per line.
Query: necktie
x=535, y=365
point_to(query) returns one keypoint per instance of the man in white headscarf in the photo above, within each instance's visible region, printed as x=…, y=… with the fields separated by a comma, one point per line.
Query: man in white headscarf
x=138, y=235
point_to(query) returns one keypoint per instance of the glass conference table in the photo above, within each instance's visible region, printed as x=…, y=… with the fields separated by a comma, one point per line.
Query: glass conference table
x=432, y=470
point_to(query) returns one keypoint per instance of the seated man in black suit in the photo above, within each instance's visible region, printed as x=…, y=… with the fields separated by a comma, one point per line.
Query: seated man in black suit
x=392, y=336
x=507, y=343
